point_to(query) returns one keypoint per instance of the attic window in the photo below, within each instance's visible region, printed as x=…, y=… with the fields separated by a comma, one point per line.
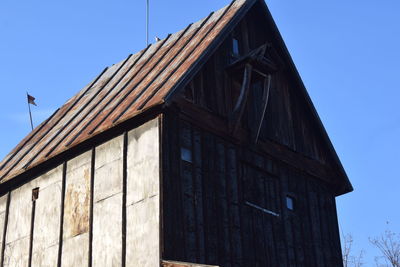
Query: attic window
x=290, y=203
x=235, y=47
x=186, y=154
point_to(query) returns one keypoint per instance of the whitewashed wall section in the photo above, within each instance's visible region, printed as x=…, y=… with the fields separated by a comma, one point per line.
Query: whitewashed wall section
x=107, y=208
x=76, y=220
x=143, y=196
x=46, y=222
x=125, y=223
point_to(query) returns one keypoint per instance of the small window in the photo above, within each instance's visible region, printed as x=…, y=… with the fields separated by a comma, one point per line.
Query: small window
x=290, y=203
x=235, y=47
x=35, y=193
x=186, y=154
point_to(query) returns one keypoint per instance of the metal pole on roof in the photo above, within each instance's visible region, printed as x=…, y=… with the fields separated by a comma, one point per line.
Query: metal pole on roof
x=147, y=22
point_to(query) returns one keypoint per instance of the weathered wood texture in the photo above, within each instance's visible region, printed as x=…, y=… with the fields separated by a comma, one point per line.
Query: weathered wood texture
x=76, y=211
x=289, y=120
x=143, y=196
x=47, y=219
x=20, y=234
x=107, y=211
x=16, y=251
x=227, y=195
x=33, y=225
x=225, y=204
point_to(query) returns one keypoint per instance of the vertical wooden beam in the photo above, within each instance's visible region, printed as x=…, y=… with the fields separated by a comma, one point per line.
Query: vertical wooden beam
x=60, y=239
x=194, y=192
x=245, y=36
x=199, y=96
x=264, y=104
x=32, y=227
x=92, y=171
x=242, y=100
x=124, y=192
x=179, y=181
x=161, y=144
x=219, y=82
x=185, y=134
x=3, y=243
x=198, y=187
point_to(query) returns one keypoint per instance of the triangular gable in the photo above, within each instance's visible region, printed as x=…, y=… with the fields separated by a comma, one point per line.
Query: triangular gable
x=290, y=117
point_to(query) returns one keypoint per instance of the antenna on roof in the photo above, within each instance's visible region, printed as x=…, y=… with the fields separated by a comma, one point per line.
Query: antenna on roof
x=147, y=22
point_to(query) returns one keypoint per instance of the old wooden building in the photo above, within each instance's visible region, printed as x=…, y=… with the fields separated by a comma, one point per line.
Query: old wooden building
x=203, y=148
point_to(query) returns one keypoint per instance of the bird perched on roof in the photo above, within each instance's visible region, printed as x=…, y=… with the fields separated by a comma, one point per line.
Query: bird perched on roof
x=157, y=39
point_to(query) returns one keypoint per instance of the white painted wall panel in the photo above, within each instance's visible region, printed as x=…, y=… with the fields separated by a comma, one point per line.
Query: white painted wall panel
x=19, y=223
x=108, y=174
x=76, y=251
x=16, y=253
x=143, y=233
x=143, y=196
x=142, y=207
x=107, y=208
x=47, y=219
x=107, y=232
x=77, y=212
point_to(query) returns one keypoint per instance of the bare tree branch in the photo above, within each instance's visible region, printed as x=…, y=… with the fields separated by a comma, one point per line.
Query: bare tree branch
x=389, y=245
x=350, y=260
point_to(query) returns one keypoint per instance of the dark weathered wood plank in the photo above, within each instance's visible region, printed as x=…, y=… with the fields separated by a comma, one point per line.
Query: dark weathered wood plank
x=315, y=225
x=223, y=205
x=60, y=238
x=209, y=197
x=198, y=194
x=234, y=210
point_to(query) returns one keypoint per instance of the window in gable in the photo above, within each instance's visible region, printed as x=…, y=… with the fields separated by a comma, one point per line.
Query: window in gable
x=235, y=47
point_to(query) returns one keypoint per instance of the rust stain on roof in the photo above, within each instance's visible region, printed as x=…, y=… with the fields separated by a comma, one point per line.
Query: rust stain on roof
x=119, y=93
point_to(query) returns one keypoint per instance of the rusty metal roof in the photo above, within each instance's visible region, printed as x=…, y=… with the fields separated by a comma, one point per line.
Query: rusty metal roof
x=120, y=92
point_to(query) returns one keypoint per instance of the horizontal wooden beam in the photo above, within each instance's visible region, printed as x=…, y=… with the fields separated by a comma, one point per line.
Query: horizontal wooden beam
x=216, y=124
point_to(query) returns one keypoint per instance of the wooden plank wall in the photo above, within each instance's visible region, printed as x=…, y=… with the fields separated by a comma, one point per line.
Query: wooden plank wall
x=206, y=216
x=100, y=208
x=288, y=121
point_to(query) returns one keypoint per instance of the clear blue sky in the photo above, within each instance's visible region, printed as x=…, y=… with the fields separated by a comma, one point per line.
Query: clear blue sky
x=347, y=52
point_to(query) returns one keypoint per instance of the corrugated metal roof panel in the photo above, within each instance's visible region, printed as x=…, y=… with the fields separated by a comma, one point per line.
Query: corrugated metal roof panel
x=119, y=93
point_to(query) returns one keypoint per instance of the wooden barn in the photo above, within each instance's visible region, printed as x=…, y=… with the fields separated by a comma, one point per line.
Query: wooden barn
x=202, y=148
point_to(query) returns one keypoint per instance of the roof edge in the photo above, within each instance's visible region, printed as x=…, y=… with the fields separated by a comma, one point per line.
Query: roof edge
x=212, y=48
x=347, y=186
x=88, y=144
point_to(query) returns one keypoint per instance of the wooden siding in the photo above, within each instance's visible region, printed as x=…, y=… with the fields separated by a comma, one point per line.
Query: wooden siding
x=100, y=208
x=215, y=201
x=288, y=121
